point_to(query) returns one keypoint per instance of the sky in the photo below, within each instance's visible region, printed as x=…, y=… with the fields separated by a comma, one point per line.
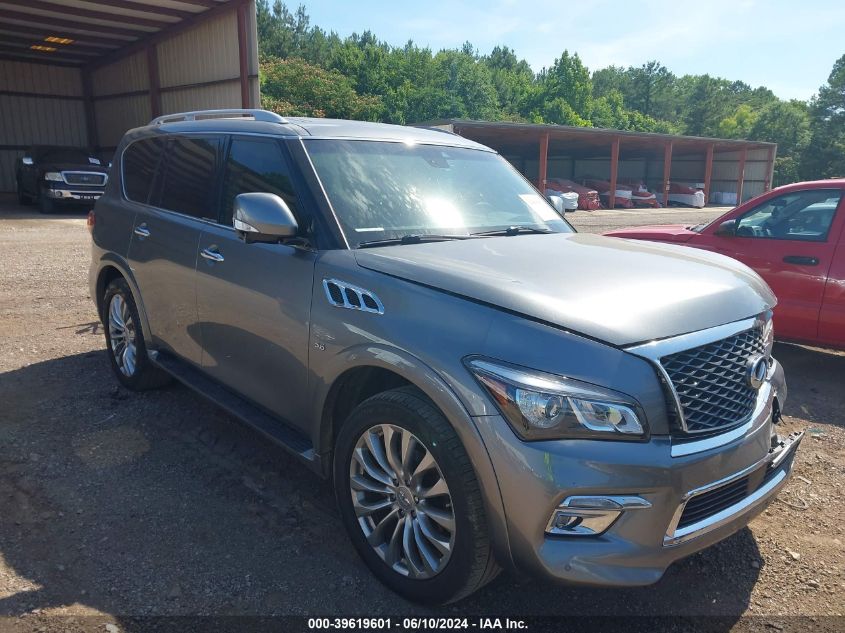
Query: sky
x=788, y=46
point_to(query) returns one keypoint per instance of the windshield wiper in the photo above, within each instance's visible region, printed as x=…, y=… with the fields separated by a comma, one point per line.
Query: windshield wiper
x=514, y=230
x=412, y=239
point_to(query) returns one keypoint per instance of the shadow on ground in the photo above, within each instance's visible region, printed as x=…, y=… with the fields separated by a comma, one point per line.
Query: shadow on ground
x=812, y=377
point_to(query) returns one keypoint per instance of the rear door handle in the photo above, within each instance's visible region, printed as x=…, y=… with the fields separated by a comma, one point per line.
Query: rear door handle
x=212, y=255
x=142, y=231
x=801, y=260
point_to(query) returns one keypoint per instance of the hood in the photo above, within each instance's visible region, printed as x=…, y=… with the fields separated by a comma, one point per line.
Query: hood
x=100, y=169
x=618, y=291
x=678, y=233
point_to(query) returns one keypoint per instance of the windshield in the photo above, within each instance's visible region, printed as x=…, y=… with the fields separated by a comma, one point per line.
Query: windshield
x=72, y=155
x=382, y=190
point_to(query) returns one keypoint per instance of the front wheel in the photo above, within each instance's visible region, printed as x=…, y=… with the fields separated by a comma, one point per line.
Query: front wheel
x=45, y=204
x=410, y=500
x=23, y=198
x=125, y=340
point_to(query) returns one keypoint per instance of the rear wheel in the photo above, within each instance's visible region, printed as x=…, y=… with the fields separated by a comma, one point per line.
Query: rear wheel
x=409, y=499
x=22, y=197
x=125, y=340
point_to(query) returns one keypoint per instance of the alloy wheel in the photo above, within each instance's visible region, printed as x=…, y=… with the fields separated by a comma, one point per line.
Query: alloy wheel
x=402, y=501
x=122, y=335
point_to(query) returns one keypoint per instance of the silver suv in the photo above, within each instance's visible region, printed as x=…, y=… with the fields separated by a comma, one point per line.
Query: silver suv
x=401, y=310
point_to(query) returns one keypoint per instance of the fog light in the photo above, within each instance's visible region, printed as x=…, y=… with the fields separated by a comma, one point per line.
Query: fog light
x=591, y=516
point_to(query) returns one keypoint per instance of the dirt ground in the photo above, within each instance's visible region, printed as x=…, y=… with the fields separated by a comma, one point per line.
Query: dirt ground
x=122, y=504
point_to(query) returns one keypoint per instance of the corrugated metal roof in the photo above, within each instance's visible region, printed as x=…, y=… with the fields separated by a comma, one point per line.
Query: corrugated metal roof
x=505, y=133
x=92, y=32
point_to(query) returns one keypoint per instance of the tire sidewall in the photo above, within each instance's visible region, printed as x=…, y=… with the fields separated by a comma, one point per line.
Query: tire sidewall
x=45, y=204
x=120, y=287
x=449, y=582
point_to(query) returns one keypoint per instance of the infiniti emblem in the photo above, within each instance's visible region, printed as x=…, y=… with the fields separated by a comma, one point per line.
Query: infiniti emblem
x=756, y=370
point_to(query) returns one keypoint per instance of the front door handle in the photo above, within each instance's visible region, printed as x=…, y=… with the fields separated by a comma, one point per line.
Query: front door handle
x=801, y=260
x=142, y=231
x=212, y=255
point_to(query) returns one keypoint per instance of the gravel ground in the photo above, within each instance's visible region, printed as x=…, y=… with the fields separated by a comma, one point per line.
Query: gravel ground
x=121, y=504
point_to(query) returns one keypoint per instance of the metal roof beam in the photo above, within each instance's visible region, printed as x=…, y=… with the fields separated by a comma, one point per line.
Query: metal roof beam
x=79, y=12
x=42, y=32
x=59, y=22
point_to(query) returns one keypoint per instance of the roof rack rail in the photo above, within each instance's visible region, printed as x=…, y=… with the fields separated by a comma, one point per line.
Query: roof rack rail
x=198, y=115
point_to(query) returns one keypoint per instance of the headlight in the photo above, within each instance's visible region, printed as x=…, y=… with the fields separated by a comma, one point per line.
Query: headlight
x=542, y=406
x=53, y=176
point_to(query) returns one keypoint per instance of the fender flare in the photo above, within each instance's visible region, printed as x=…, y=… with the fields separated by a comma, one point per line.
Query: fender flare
x=110, y=260
x=427, y=380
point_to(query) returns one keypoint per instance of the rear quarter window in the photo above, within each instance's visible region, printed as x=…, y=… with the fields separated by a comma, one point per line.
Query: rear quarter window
x=140, y=161
x=188, y=183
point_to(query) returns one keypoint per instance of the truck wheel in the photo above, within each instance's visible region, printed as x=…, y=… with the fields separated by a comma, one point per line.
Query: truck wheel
x=125, y=340
x=23, y=199
x=409, y=498
x=45, y=204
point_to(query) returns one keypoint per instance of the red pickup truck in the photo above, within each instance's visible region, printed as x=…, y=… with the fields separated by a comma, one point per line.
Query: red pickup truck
x=794, y=237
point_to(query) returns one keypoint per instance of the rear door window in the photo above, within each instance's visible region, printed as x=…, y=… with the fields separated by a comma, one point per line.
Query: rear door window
x=140, y=161
x=188, y=183
x=256, y=165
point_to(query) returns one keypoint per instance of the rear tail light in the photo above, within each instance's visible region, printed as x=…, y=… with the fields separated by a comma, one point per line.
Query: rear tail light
x=91, y=220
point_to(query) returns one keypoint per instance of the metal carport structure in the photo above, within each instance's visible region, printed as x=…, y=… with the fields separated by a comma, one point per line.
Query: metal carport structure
x=542, y=151
x=82, y=72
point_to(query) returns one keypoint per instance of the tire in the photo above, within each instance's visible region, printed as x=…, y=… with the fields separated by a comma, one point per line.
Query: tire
x=23, y=199
x=447, y=574
x=46, y=205
x=125, y=340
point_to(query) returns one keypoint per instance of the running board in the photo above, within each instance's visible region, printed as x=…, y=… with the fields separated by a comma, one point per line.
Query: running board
x=271, y=427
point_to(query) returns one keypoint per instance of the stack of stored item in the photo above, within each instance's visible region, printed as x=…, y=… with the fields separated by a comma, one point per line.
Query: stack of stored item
x=588, y=199
x=684, y=194
x=624, y=193
x=562, y=200
x=642, y=197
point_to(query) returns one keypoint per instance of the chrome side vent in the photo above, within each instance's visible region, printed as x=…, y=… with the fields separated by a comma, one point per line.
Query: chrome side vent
x=343, y=295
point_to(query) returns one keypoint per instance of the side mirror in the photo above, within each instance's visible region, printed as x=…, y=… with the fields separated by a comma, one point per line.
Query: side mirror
x=27, y=160
x=263, y=217
x=727, y=228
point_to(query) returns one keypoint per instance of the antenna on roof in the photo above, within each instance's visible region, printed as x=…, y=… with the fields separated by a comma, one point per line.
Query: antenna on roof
x=199, y=115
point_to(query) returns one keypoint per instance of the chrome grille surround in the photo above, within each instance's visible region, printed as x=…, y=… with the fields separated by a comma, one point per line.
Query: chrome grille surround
x=711, y=381
x=735, y=340
x=90, y=178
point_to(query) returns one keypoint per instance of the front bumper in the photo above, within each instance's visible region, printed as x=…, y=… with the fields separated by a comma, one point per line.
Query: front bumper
x=73, y=195
x=535, y=478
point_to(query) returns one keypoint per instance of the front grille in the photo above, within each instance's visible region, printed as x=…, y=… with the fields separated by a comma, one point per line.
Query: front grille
x=709, y=503
x=84, y=178
x=711, y=381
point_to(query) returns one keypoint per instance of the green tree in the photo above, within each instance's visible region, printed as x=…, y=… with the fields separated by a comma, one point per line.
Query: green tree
x=295, y=87
x=739, y=124
x=824, y=156
x=567, y=80
x=650, y=87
